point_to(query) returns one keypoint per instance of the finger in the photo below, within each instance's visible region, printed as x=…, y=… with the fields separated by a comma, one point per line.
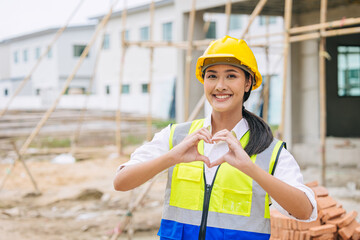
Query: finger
x=217, y=162
x=221, y=133
x=204, y=136
x=205, y=132
x=232, y=143
x=204, y=159
x=218, y=139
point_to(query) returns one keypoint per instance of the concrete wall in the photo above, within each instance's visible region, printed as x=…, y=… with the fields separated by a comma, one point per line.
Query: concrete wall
x=305, y=113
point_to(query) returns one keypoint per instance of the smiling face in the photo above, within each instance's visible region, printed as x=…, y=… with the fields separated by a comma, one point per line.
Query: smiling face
x=224, y=87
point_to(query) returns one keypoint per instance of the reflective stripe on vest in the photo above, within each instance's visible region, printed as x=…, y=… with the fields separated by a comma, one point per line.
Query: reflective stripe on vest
x=239, y=207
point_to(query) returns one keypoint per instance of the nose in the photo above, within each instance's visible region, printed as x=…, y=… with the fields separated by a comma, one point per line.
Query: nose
x=220, y=85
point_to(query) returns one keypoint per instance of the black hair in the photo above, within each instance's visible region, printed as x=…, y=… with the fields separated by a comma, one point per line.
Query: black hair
x=260, y=133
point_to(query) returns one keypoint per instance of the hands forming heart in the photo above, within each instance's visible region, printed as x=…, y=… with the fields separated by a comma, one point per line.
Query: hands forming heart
x=187, y=150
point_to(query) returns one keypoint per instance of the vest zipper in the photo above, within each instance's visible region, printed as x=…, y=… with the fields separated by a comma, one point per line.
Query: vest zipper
x=207, y=194
x=206, y=204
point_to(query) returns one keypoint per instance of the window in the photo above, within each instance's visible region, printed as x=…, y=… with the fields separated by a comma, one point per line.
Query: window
x=16, y=57
x=107, y=90
x=144, y=33
x=145, y=88
x=211, y=33
x=37, y=53
x=6, y=92
x=25, y=55
x=49, y=54
x=78, y=50
x=127, y=35
x=348, y=71
x=235, y=22
x=167, y=31
x=271, y=19
x=125, y=88
x=106, y=41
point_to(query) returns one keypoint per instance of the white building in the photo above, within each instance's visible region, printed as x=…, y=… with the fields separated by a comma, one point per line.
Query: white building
x=135, y=95
x=170, y=23
x=20, y=54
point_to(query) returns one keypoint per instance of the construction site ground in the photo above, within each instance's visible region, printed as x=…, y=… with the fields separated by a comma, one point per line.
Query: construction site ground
x=77, y=200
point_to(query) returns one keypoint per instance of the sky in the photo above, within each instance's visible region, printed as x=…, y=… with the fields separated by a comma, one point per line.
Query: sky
x=18, y=17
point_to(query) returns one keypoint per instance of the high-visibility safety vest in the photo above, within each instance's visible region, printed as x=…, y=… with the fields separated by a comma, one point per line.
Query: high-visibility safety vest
x=234, y=206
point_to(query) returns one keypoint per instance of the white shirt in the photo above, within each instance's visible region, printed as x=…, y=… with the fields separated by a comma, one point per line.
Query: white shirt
x=287, y=169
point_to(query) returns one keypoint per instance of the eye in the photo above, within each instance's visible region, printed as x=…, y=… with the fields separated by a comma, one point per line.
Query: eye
x=231, y=76
x=210, y=76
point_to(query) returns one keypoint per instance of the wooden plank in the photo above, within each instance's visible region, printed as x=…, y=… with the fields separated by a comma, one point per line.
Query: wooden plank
x=287, y=17
x=322, y=84
x=149, y=117
x=188, y=58
x=121, y=77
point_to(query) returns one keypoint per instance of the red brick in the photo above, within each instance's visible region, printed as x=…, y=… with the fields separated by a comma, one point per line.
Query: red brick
x=296, y=235
x=303, y=235
x=327, y=236
x=348, y=231
x=356, y=235
x=312, y=184
x=320, y=230
x=285, y=235
x=306, y=225
x=325, y=211
x=320, y=191
x=325, y=202
x=334, y=213
x=348, y=218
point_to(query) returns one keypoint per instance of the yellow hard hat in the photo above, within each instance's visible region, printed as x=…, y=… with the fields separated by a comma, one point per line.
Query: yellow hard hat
x=231, y=51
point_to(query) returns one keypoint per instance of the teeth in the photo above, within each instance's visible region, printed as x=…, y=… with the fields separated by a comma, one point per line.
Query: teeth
x=222, y=96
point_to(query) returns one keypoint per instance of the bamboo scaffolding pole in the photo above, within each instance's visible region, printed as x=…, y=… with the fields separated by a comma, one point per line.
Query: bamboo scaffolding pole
x=133, y=207
x=323, y=25
x=197, y=44
x=121, y=77
x=228, y=15
x=259, y=7
x=322, y=84
x=151, y=63
x=189, y=58
x=254, y=14
x=329, y=33
x=19, y=159
x=267, y=81
x=287, y=17
x=26, y=79
x=76, y=135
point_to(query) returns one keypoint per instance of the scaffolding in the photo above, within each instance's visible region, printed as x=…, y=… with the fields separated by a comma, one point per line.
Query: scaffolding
x=291, y=34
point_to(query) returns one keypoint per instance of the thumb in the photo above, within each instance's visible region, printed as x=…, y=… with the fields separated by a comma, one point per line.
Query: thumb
x=203, y=159
x=217, y=162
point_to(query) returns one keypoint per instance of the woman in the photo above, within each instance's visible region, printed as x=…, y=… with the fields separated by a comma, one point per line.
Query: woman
x=222, y=169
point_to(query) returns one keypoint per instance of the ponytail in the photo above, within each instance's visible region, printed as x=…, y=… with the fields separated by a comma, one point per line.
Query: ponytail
x=260, y=133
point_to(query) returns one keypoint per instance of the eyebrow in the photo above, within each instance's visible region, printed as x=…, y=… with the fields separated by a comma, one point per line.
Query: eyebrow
x=229, y=70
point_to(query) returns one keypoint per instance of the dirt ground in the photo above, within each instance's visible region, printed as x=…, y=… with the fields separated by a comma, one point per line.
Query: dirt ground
x=78, y=201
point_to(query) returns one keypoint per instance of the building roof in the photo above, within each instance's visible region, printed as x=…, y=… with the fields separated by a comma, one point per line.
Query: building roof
x=137, y=9
x=46, y=32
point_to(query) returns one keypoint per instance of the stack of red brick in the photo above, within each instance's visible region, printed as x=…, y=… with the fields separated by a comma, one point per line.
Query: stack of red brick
x=333, y=222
